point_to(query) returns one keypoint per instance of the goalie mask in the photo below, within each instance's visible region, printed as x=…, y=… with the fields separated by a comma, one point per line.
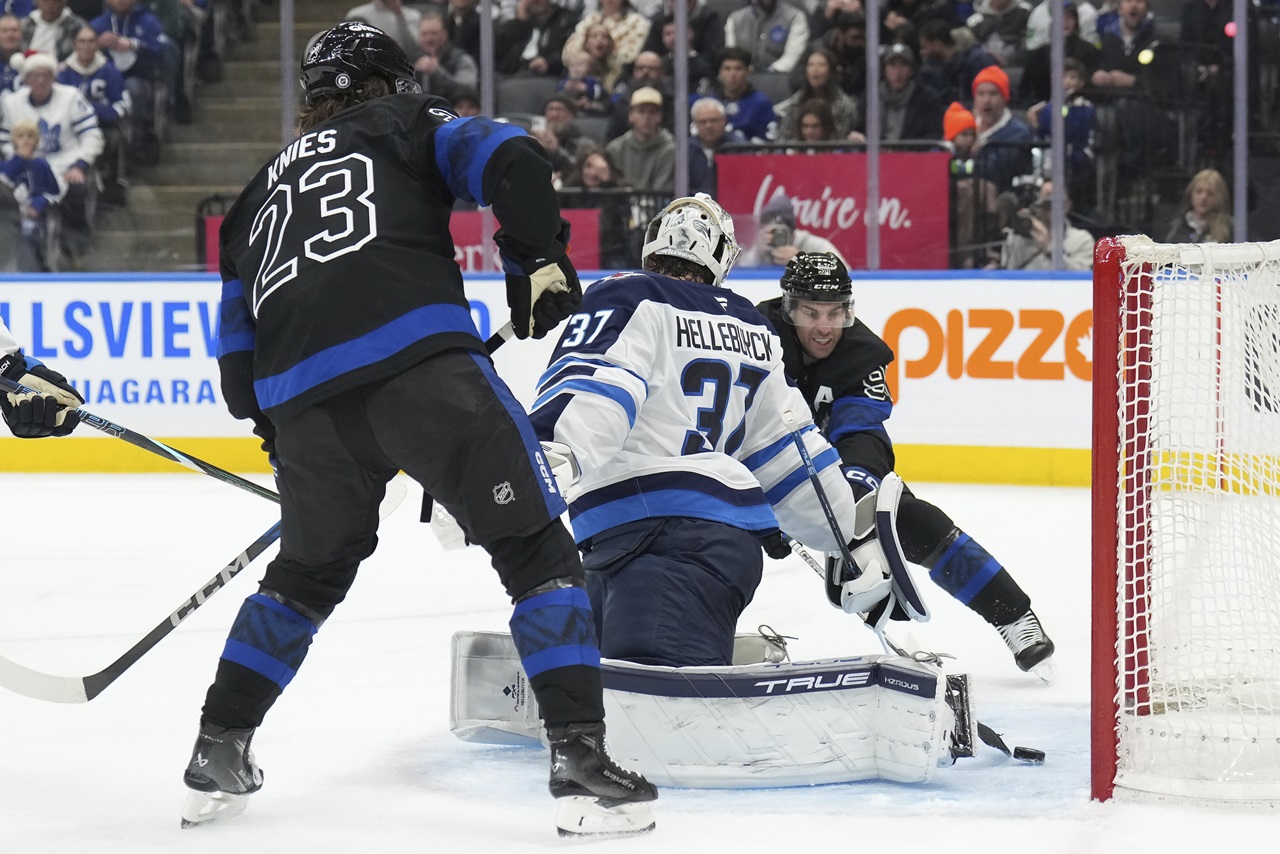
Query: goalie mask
x=816, y=289
x=696, y=229
x=339, y=62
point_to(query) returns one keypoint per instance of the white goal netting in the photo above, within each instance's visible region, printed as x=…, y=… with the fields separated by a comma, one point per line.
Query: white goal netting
x=1197, y=681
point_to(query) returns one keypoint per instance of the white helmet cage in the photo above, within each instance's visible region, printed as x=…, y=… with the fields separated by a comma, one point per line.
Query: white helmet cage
x=697, y=229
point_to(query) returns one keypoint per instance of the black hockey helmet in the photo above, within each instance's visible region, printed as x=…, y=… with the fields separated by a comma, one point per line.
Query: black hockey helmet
x=340, y=60
x=816, y=277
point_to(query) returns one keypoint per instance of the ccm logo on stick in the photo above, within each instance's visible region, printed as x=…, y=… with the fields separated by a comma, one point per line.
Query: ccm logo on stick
x=981, y=332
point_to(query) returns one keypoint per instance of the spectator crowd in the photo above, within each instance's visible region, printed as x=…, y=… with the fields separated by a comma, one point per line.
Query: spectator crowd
x=99, y=81
x=1147, y=103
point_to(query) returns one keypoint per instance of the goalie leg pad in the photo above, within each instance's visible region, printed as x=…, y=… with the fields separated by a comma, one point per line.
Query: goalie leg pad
x=752, y=726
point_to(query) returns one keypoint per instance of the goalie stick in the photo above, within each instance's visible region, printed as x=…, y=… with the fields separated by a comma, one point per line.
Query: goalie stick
x=117, y=431
x=81, y=689
x=789, y=418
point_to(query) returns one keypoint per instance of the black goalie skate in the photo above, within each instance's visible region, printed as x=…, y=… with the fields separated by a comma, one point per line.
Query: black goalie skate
x=221, y=775
x=594, y=797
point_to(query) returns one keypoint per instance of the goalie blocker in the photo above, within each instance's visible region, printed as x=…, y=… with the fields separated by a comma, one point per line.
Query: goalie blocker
x=872, y=717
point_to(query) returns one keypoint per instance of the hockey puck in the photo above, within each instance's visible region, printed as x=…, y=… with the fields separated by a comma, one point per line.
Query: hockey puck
x=1029, y=754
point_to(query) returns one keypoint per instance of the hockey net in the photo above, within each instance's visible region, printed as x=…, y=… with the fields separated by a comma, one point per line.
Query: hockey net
x=1186, y=515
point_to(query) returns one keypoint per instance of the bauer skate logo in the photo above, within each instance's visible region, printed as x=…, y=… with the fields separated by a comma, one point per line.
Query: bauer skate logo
x=817, y=682
x=503, y=493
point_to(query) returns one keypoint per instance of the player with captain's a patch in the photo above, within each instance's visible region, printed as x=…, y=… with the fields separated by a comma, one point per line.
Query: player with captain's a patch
x=839, y=365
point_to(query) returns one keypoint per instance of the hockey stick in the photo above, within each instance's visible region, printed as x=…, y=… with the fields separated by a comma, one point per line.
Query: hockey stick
x=886, y=643
x=504, y=334
x=148, y=444
x=82, y=689
x=790, y=418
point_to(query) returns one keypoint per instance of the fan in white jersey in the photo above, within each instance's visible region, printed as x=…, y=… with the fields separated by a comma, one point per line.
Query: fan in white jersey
x=667, y=394
x=51, y=411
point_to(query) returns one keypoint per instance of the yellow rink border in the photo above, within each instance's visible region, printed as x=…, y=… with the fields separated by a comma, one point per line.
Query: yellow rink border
x=939, y=463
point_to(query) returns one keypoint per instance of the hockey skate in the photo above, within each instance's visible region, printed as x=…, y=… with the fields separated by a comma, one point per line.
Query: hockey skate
x=1031, y=647
x=221, y=775
x=594, y=797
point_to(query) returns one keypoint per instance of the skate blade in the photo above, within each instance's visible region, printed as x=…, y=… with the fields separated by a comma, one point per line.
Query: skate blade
x=204, y=807
x=1047, y=671
x=586, y=818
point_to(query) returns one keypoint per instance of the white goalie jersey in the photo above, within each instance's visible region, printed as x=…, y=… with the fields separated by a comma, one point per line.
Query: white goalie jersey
x=671, y=395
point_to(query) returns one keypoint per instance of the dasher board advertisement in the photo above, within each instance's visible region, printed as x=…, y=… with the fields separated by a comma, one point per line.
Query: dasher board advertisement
x=991, y=381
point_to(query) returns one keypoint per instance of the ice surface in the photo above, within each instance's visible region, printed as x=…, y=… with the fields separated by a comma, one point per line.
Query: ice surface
x=357, y=753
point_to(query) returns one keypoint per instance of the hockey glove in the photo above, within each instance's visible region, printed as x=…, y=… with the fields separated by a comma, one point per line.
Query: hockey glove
x=541, y=291
x=859, y=588
x=50, y=411
x=775, y=545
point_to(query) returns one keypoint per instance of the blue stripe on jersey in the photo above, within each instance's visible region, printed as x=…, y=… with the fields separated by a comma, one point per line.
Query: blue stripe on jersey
x=800, y=475
x=269, y=638
x=236, y=331
x=564, y=373
x=368, y=349
x=560, y=365
x=463, y=149
x=550, y=495
x=851, y=415
x=591, y=386
x=964, y=569
x=669, y=494
x=767, y=453
x=570, y=361
x=555, y=629
x=544, y=418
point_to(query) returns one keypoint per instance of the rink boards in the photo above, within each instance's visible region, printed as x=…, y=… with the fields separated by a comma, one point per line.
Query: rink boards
x=991, y=383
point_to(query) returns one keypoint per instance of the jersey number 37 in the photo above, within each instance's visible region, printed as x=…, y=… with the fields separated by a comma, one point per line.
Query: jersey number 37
x=703, y=376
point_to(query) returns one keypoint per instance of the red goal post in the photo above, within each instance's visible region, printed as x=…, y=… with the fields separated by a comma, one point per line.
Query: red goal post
x=1186, y=522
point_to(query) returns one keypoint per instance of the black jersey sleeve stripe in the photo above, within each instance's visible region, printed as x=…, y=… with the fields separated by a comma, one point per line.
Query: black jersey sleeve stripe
x=463, y=149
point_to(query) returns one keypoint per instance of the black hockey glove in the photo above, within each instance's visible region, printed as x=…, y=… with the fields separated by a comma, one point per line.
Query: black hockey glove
x=775, y=545
x=542, y=290
x=48, y=412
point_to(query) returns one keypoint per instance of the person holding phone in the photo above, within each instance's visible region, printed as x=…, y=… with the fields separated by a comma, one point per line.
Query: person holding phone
x=778, y=239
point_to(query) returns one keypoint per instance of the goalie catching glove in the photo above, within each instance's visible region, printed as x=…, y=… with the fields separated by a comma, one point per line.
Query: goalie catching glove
x=542, y=290
x=859, y=588
x=50, y=410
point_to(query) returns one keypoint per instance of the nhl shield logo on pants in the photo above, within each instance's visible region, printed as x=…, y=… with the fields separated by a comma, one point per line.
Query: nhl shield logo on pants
x=503, y=493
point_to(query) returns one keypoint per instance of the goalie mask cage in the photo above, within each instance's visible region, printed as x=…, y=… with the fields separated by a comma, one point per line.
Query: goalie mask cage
x=1186, y=522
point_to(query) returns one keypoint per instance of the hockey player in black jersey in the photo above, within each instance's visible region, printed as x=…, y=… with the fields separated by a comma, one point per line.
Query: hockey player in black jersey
x=346, y=338
x=839, y=364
